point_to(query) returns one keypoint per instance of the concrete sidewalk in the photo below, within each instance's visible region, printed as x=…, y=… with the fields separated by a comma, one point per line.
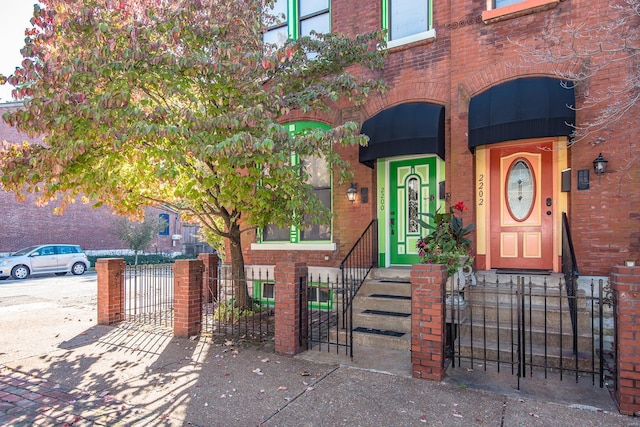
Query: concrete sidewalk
x=122, y=376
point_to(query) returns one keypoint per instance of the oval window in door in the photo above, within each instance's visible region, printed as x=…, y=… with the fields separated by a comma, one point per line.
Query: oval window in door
x=520, y=190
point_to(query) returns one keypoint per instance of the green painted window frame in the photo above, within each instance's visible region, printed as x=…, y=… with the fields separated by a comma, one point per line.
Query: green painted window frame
x=315, y=304
x=386, y=18
x=294, y=25
x=295, y=233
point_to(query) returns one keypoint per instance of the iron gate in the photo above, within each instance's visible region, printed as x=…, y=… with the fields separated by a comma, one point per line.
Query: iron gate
x=525, y=327
x=329, y=315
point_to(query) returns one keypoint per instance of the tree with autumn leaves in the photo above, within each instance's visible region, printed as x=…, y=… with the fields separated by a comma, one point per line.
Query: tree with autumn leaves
x=144, y=102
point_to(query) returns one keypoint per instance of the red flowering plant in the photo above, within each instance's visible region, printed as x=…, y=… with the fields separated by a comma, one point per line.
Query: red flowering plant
x=447, y=242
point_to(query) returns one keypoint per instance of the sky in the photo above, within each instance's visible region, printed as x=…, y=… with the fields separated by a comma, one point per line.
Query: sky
x=14, y=19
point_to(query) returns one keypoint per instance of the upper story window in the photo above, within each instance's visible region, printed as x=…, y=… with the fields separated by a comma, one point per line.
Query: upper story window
x=407, y=21
x=298, y=18
x=499, y=10
x=502, y=3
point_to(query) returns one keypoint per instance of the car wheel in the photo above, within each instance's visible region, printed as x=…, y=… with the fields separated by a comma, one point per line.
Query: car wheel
x=62, y=273
x=20, y=272
x=78, y=268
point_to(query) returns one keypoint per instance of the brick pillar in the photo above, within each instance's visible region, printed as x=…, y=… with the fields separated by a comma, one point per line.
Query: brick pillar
x=625, y=285
x=290, y=307
x=427, y=321
x=187, y=297
x=110, y=290
x=209, y=277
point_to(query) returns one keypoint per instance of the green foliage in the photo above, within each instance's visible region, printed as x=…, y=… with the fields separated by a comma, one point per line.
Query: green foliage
x=181, y=104
x=142, y=259
x=139, y=234
x=447, y=242
x=229, y=312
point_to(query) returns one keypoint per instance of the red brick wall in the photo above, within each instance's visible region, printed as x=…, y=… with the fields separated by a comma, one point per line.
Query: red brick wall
x=625, y=284
x=427, y=321
x=110, y=303
x=187, y=297
x=466, y=58
x=290, y=308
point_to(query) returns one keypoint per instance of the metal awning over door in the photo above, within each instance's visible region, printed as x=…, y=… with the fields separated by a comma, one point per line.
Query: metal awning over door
x=523, y=108
x=412, y=128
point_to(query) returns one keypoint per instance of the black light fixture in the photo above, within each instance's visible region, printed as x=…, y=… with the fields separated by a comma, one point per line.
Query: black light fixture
x=600, y=164
x=352, y=191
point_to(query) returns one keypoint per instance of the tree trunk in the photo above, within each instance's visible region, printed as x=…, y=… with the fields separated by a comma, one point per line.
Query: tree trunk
x=238, y=274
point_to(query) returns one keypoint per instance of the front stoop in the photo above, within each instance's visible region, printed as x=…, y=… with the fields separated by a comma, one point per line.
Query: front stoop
x=382, y=310
x=487, y=331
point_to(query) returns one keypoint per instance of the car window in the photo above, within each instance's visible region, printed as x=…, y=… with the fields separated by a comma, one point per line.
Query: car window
x=47, y=250
x=65, y=249
x=24, y=251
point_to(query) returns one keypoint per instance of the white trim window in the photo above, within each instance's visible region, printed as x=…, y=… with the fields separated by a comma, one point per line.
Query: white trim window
x=407, y=21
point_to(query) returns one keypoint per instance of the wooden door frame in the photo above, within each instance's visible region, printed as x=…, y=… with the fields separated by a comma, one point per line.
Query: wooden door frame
x=483, y=198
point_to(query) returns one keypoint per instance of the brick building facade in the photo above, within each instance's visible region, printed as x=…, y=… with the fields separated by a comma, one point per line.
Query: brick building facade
x=468, y=118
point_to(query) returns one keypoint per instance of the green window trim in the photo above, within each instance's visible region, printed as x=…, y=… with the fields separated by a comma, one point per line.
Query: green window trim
x=324, y=296
x=295, y=233
x=294, y=25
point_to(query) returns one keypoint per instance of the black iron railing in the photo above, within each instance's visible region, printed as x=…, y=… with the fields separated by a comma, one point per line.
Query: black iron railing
x=354, y=269
x=570, y=271
x=148, y=294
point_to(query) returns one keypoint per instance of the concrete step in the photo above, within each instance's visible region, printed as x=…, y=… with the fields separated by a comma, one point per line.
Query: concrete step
x=506, y=353
x=536, y=315
x=385, y=287
x=400, y=274
x=383, y=303
x=552, y=297
x=553, y=338
x=537, y=280
x=384, y=320
x=377, y=338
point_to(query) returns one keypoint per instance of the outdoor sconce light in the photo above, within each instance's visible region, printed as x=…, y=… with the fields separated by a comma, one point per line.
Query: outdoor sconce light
x=599, y=164
x=352, y=191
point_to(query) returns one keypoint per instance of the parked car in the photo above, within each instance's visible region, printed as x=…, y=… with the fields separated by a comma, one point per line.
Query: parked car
x=58, y=259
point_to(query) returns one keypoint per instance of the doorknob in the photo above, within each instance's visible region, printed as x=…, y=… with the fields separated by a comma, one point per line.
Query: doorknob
x=392, y=222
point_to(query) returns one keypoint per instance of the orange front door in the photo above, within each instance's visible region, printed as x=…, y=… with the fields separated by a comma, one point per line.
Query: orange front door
x=522, y=207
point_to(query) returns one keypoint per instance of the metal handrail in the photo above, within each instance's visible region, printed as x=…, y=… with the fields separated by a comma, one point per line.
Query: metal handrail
x=362, y=257
x=570, y=271
x=354, y=268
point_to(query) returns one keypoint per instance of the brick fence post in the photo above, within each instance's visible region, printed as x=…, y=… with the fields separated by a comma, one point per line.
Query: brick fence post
x=209, y=277
x=187, y=297
x=427, y=321
x=290, y=307
x=625, y=285
x=110, y=290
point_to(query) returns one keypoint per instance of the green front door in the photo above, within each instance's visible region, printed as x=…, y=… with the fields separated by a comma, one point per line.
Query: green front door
x=413, y=189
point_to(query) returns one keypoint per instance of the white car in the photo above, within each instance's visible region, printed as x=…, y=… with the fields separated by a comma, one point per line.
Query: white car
x=58, y=259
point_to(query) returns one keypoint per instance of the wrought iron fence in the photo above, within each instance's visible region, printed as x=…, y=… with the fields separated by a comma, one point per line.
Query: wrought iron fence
x=527, y=327
x=328, y=321
x=223, y=314
x=148, y=294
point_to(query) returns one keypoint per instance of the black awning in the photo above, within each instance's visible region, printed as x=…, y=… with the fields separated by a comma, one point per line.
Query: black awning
x=415, y=128
x=523, y=108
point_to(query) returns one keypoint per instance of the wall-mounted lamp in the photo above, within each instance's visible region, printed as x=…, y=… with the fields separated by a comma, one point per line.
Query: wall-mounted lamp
x=600, y=164
x=352, y=191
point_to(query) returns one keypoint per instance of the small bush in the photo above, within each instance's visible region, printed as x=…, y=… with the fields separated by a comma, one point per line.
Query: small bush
x=228, y=313
x=142, y=259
